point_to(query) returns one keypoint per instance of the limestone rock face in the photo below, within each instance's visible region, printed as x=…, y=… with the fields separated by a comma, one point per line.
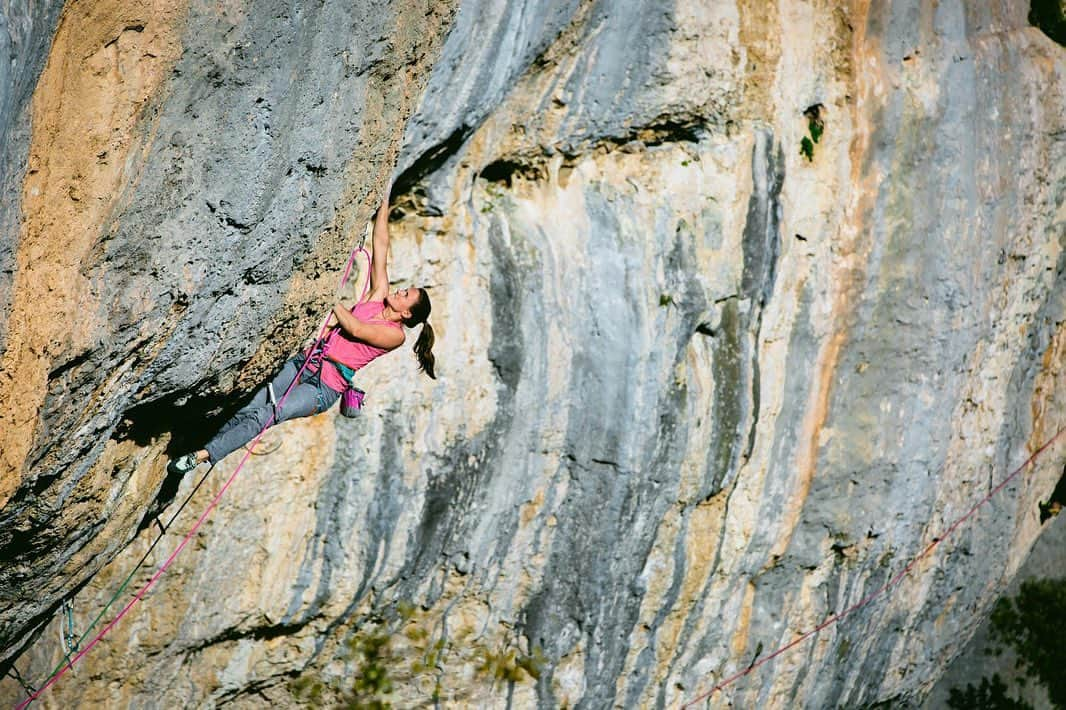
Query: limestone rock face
x=180, y=180
x=697, y=390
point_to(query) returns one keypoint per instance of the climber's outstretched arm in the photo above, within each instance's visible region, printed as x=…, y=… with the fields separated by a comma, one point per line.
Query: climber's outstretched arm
x=379, y=277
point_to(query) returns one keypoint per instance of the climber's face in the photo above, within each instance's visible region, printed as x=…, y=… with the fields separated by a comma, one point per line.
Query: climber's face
x=403, y=300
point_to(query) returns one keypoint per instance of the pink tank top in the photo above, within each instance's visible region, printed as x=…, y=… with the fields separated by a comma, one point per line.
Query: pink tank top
x=352, y=352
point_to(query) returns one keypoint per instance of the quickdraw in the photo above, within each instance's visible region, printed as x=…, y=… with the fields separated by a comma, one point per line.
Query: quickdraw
x=67, y=638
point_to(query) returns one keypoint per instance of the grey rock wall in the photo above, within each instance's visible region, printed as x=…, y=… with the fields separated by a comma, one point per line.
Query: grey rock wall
x=197, y=174
x=25, y=28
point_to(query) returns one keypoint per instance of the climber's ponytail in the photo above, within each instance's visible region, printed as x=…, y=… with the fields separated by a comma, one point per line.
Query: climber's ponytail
x=424, y=350
x=424, y=344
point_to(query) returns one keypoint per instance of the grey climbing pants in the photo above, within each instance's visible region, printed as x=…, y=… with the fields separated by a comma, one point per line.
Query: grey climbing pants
x=309, y=396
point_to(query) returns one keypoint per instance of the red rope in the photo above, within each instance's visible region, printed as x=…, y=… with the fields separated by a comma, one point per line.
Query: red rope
x=185, y=541
x=885, y=587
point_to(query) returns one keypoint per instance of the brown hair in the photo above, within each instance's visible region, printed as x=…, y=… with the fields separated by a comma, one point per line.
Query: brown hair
x=424, y=344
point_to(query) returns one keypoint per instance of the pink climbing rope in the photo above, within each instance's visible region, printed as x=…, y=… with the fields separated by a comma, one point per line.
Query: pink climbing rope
x=884, y=587
x=348, y=271
x=366, y=284
x=203, y=516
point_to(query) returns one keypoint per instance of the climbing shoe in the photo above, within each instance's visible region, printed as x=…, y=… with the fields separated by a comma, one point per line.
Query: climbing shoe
x=182, y=465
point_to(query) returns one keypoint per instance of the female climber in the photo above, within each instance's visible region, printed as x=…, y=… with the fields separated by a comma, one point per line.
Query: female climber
x=366, y=331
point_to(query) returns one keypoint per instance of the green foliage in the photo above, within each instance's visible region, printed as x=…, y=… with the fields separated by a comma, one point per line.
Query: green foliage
x=385, y=655
x=308, y=689
x=665, y=300
x=372, y=682
x=507, y=664
x=1032, y=623
x=369, y=686
x=990, y=695
x=815, y=129
x=493, y=195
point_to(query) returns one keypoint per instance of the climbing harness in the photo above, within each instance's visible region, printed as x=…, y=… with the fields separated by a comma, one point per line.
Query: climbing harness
x=886, y=587
x=75, y=646
x=351, y=396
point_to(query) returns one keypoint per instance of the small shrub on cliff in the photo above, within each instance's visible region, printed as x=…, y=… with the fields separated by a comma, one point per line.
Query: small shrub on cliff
x=368, y=689
x=1032, y=623
x=371, y=682
x=990, y=695
x=509, y=665
x=815, y=128
x=409, y=649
